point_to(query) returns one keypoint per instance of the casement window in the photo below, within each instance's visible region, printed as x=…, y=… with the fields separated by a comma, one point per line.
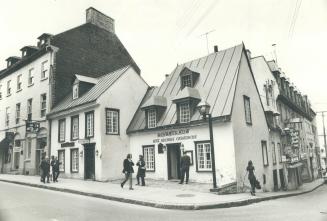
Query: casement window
x=264, y=153
x=7, y=117
x=74, y=127
x=9, y=88
x=17, y=113
x=152, y=118
x=187, y=81
x=75, y=91
x=74, y=157
x=30, y=77
x=61, y=130
x=149, y=157
x=203, y=156
x=184, y=112
x=273, y=149
x=279, y=150
x=61, y=159
x=89, y=124
x=19, y=82
x=28, y=149
x=44, y=70
x=247, y=109
x=43, y=104
x=112, y=121
x=29, y=109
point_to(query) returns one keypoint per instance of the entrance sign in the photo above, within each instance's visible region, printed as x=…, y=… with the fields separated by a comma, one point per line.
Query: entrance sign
x=174, y=136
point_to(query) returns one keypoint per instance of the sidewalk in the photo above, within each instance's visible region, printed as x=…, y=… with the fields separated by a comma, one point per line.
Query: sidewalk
x=182, y=197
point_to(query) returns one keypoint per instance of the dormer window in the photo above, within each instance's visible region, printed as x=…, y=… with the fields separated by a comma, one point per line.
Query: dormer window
x=152, y=118
x=187, y=81
x=184, y=112
x=154, y=108
x=75, y=91
x=188, y=78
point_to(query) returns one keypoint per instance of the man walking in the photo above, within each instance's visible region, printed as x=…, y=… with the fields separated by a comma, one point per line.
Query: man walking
x=55, y=169
x=185, y=167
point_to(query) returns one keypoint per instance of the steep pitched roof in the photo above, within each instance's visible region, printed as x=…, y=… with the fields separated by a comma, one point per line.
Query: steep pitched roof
x=93, y=94
x=216, y=85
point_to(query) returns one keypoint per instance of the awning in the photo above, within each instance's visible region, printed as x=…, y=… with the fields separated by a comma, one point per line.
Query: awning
x=294, y=165
x=4, y=144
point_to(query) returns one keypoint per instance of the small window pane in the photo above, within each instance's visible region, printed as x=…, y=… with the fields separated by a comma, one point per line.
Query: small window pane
x=184, y=112
x=152, y=118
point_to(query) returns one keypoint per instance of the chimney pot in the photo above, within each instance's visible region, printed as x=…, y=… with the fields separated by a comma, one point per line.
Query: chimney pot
x=99, y=19
x=215, y=48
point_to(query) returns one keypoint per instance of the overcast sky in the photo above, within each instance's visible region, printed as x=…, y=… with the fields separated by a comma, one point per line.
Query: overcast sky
x=161, y=33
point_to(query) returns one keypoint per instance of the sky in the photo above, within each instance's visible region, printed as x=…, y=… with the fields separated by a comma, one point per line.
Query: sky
x=159, y=34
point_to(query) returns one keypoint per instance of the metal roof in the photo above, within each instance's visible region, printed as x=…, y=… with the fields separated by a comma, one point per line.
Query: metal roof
x=216, y=85
x=94, y=93
x=155, y=101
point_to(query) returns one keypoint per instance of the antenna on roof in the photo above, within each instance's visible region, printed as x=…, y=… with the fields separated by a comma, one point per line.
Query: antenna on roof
x=274, y=51
x=206, y=34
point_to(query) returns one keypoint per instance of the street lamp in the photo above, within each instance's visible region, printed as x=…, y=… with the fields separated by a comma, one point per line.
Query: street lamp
x=204, y=109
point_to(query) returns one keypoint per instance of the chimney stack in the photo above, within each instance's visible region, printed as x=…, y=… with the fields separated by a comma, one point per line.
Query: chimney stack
x=215, y=48
x=99, y=19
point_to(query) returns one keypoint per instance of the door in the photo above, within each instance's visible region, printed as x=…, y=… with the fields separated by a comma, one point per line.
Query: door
x=89, y=161
x=281, y=178
x=16, y=160
x=275, y=177
x=173, y=161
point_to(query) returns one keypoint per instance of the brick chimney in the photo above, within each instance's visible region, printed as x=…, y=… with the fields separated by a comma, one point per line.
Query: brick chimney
x=99, y=19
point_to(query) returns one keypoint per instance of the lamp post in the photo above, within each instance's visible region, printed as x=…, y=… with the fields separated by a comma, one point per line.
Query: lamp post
x=204, y=109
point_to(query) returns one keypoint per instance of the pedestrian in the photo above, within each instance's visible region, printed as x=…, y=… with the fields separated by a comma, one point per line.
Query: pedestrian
x=52, y=174
x=56, y=169
x=140, y=171
x=185, y=167
x=45, y=168
x=128, y=171
x=251, y=176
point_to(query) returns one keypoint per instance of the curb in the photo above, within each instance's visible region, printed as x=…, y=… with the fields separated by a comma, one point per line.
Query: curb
x=162, y=205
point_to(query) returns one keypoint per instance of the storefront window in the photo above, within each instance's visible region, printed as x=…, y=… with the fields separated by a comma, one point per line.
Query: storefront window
x=203, y=155
x=61, y=158
x=74, y=160
x=148, y=154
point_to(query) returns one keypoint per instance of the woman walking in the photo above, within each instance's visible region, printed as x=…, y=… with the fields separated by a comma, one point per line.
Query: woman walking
x=128, y=171
x=140, y=171
x=252, y=179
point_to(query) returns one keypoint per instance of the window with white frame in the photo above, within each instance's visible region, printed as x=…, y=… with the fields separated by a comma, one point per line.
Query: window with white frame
x=273, y=149
x=152, y=118
x=61, y=130
x=61, y=159
x=75, y=91
x=29, y=109
x=112, y=121
x=74, y=157
x=187, y=81
x=264, y=153
x=43, y=104
x=203, y=156
x=17, y=113
x=30, y=77
x=247, y=109
x=184, y=112
x=19, y=82
x=44, y=70
x=7, y=116
x=148, y=154
x=74, y=128
x=28, y=148
x=8, y=87
x=89, y=124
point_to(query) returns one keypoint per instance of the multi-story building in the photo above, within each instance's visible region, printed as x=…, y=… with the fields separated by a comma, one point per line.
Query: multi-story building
x=34, y=83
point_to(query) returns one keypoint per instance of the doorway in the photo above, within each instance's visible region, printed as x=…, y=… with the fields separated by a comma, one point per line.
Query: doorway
x=16, y=160
x=89, y=161
x=275, y=177
x=173, y=161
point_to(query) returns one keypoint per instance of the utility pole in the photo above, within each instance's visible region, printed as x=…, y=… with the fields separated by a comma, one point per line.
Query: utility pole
x=206, y=34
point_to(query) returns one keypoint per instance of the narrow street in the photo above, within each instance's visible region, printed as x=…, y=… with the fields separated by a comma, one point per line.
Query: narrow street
x=26, y=203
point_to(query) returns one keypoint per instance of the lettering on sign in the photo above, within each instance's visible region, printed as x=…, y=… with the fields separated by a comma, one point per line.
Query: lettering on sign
x=174, y=136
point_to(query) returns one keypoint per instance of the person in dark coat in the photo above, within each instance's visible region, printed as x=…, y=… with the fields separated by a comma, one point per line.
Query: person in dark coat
x=55, y=169
x=128, y=171
x=140, y=171
x=251, y=176
x=185, y=167
x=52, y=164
x=45, y=167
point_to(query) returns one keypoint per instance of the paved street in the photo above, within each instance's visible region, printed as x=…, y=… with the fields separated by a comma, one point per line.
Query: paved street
x=27, y=203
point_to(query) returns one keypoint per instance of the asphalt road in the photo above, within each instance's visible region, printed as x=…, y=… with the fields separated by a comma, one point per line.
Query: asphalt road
x=24, y=203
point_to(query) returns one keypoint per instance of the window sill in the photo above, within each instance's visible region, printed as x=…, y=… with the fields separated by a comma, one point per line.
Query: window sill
x=112, y=134
x=30, y=85
x=19, y=90
x=44, y=79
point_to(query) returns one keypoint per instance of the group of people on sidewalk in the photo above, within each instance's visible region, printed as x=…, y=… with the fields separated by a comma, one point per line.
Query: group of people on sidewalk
x=45, y=166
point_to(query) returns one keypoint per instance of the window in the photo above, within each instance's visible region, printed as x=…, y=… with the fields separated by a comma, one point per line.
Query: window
x=44, y=70
x=28, y=148
x=273, y=149
x=184, y=112
x=30, y=77
x=264, y=153
x=7, y=116
x=74, y=128
x=74, y=160
x=8, y=88
x=75, y=91
x=29, y=109
x=61, y=159
x=17, y=113
x=112, y=121
x=43, y=104
x=152, y=118
x=279, y=150
x=247, y=109
x=89, y=124
x=19, y=82
x=61, y=130
x=203, y=156
x=148, y=153
x=187, y=81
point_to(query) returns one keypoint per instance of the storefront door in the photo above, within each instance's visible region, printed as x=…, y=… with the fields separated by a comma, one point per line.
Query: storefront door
x=173, y=160
x=89, y=161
